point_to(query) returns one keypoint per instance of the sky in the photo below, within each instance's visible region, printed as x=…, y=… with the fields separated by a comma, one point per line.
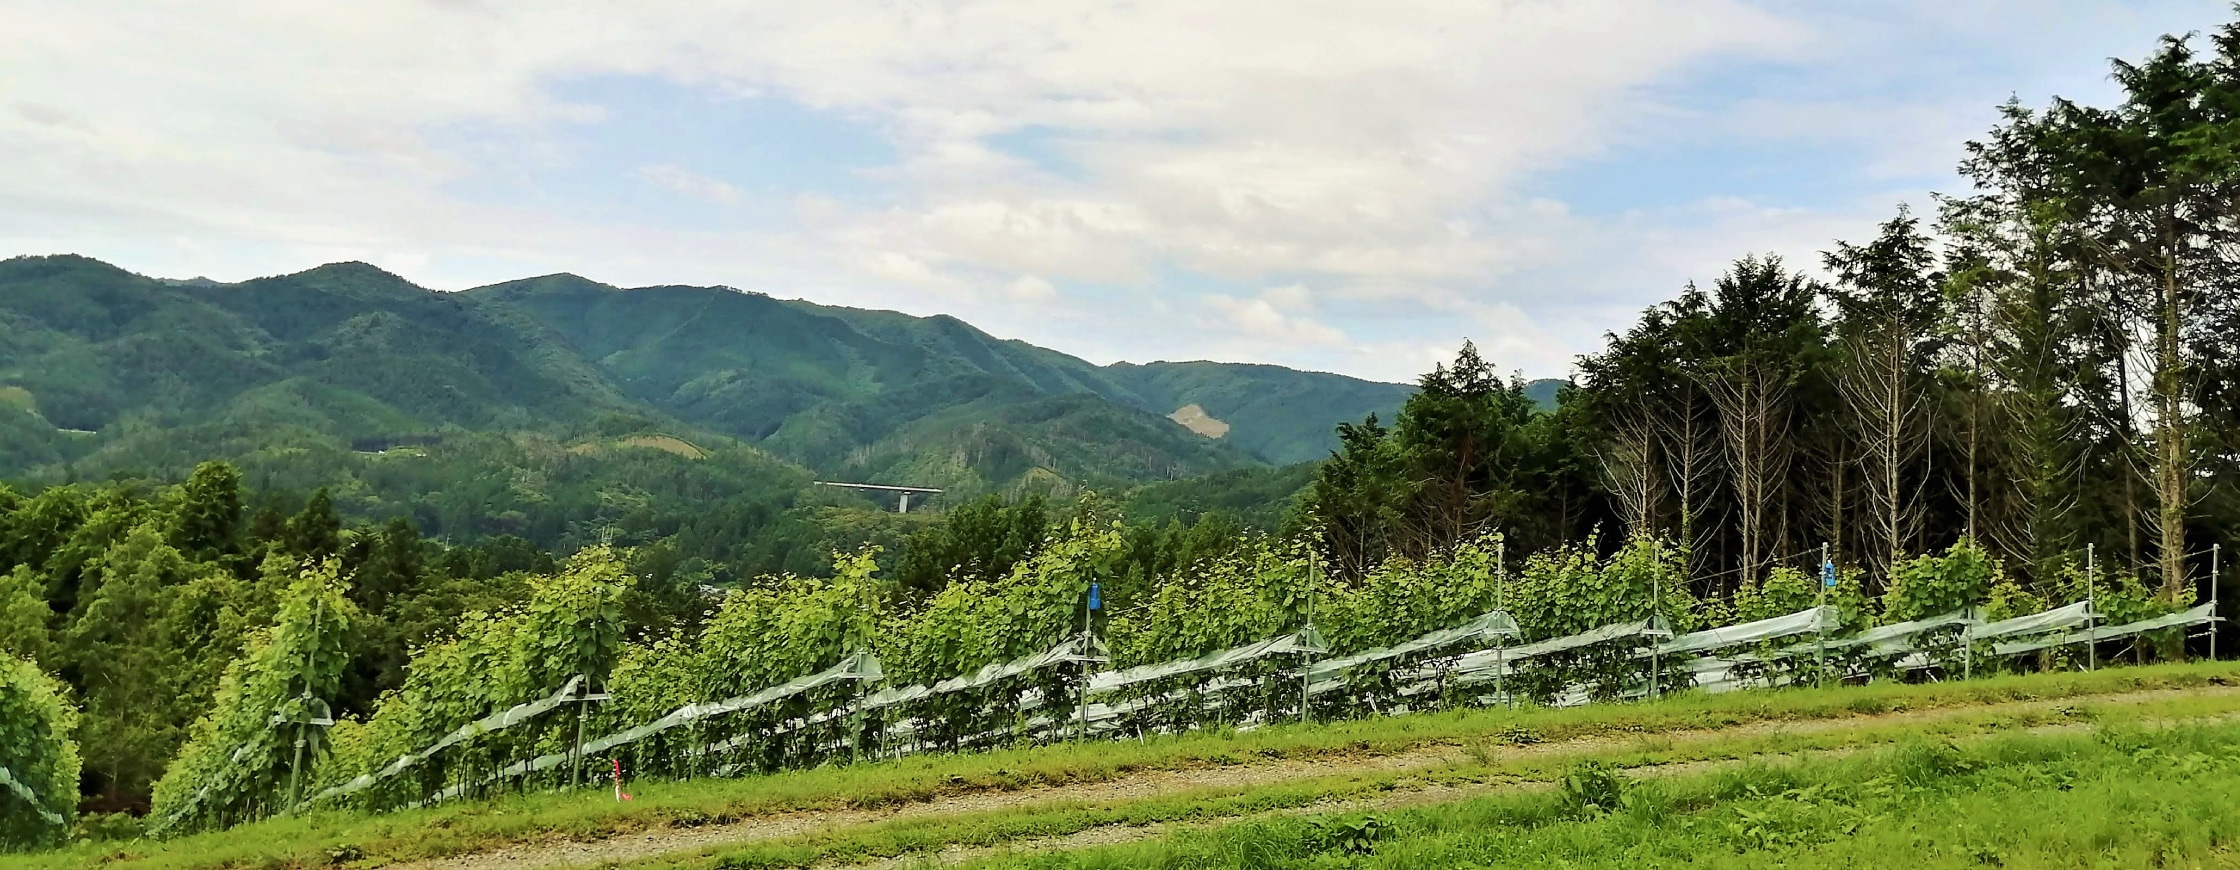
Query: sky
x=1351, y=186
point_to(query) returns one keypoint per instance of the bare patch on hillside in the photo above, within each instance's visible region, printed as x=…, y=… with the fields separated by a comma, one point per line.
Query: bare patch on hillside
x=677, y=446
x=1197, y=420
x=663, y=443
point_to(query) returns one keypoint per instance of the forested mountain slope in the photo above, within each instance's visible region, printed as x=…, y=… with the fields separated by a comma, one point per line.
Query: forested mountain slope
x=1280, y=415
x=821, y=383
x=562, y=409
x=344, y=350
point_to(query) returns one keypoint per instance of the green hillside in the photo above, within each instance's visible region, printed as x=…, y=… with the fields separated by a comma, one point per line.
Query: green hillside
x=837, y=388
x=867, y=395
x=360, y=353
x=1281, y=415
x=564, y=410
x=1258, y=498
x=1545, y=392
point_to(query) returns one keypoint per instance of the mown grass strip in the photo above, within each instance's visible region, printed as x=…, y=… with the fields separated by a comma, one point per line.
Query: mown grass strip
x=899, y=839
x=2113, y=798
x=321, y=839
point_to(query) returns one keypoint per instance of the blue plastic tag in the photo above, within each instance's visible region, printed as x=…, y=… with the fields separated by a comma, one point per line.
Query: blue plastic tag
x=1828, y=574
x=1096, y=598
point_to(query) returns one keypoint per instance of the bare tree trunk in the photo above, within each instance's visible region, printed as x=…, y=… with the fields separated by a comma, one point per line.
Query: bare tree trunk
x=1754, y=417
x=1878, y=387
x=1836, y=508
x=2126, y=429
x=1976, y=390
x=2172, y=470
x=1689, y=460
x=1629, y=465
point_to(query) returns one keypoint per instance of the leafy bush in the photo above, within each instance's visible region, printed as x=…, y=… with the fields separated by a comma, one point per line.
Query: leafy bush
x=238, y=763
x=1567, y=591
x=1932, y=584
x=36, y=749
x=972, y=624
x=572, y=625
x=779, y=630
x=1592, y=788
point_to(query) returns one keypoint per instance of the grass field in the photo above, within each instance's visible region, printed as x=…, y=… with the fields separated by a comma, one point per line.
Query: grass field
x=2114, y=797
x=1295, y=795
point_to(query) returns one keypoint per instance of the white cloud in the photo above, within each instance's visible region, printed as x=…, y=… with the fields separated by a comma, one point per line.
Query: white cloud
x=1275, y=317
x=689, y=184
x=1374, y=162
x=1031, y=288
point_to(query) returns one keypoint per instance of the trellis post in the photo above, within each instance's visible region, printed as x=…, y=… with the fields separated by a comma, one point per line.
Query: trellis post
x=310, y=712
x=1304, y=678
x=1088, y=637
x=2091, y=583
x=1656, y=608
x=1501, y=603
x=1820, y=635
x=310, y=665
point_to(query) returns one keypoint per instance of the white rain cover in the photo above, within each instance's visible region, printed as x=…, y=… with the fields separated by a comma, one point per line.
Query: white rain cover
x=515, y=715
x=1493, y=623
x=2203, y=614
x=2056, y=619
x=9, y=780
x=1484, y=660
x=1078, y=648
x=1896, y=638
x=859, y=666
x=1105, y=717
x=1800, y=622
x=1308, y=642
x=1715, y=675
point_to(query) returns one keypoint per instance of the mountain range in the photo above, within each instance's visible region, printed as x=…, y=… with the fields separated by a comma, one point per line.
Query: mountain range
x=352, y=377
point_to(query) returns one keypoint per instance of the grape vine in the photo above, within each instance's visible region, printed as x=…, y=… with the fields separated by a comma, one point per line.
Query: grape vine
x=1002, y=662
x=243, y=760
x=40, y=760
x=572, y=626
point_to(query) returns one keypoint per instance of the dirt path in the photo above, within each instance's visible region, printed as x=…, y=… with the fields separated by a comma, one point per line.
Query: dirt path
x=539, y=855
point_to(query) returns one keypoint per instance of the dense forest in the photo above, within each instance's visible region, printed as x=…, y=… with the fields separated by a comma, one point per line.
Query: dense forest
x=138, y=597
x=2044, y=366
x=2036, y=370
x=570, y=413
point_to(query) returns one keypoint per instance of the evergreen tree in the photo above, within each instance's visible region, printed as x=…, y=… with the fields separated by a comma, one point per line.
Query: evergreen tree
x=114, y=647
x=315, y=532
x=26, y=622
x=207, y=518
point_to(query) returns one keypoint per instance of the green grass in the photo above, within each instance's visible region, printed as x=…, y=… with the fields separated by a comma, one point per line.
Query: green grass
x=1490, y=771
x=1629, y=734
x=2116, y=797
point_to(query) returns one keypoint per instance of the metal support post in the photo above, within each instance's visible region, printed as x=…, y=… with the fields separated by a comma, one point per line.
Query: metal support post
x=1820, y=640
x=575, y=752
x=1656, y=608
x=295, y=772
x=1313, y=563
x=2091, y=583
x=1087, y=634
x=304, y=715
x=1501, y=603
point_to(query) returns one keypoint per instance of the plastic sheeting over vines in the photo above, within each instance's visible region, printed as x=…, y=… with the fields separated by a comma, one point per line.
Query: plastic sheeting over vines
x=38, y=760
x=799, y=671
x=245, y=757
